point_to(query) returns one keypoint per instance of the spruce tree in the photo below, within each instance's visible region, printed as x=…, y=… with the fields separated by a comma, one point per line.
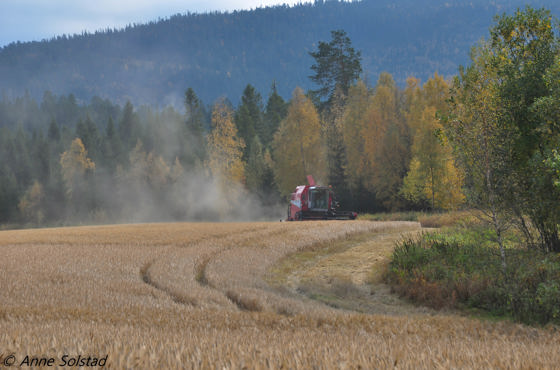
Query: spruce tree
x=194, y=151
x=249, y=118
x=275, y=112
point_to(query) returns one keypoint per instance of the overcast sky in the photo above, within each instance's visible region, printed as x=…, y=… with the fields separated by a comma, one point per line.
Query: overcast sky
x=34, y=20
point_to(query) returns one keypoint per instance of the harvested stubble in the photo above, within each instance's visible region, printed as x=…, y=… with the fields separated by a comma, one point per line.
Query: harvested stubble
x=193, y=295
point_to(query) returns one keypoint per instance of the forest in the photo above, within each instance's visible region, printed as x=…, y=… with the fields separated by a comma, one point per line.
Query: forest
x=62, y=162
x=218, y=54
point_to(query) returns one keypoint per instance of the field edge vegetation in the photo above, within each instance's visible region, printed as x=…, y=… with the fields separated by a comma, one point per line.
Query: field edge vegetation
x=460, y=267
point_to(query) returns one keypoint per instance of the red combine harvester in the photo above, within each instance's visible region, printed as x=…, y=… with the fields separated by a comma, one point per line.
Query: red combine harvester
x=312, y=202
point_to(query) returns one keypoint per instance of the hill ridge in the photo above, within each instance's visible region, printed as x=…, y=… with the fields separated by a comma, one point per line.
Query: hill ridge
x=218, y=54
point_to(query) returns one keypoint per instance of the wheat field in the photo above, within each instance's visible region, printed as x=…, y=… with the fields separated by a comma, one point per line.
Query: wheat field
x=195, y=295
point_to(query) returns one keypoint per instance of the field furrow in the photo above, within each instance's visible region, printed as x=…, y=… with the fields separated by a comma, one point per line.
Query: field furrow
x=199, y=295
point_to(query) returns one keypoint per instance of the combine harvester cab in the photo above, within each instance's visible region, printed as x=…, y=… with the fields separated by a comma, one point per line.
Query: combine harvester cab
x=312, y=202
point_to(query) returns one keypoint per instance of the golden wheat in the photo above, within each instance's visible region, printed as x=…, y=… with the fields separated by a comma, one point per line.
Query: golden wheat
x=194, y=295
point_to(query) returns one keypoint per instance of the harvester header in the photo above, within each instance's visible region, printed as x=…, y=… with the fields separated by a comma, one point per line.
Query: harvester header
x=313, y=202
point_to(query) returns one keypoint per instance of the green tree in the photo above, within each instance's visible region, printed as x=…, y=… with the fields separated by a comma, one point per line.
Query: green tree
x=258, y=171
x=129, y=127
x=40, y=157
x=506, y=95
x=337, y=66
x=249, y=118
x=20, y=159
x=88, y=133
x=275, y=111
x=8, y=194
x=482, y=144
x=53, y=133
x=524, y=47
x=112, y=154
x=547, y=110
x=194, y=151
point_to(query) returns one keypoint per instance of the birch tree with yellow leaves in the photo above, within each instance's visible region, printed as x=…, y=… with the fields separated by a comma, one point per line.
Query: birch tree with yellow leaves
x=225, y=148
x=377, y=144
x=432, y=179
x=77, y=169
x=75, y=166
x=354, y=130
x=297, y=146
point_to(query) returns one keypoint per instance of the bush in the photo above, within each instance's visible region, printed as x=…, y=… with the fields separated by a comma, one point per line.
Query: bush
x=462, y=268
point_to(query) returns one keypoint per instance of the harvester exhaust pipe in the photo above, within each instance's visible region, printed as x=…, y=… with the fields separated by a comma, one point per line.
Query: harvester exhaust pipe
x=310, y=180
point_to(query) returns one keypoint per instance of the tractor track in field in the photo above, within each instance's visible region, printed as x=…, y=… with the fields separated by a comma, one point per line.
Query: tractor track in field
x=146, y=278
x=250, y=237
x=201, y=273
x=346, y=275
x=349, y=277
x=237, y=295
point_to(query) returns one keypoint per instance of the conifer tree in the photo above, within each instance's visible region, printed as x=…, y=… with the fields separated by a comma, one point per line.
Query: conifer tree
x=249, y=118
x=275, y=111
x=129, y=127
x=112, y=148
x=257, y=168
x=337, y=66
x=88, y=133
x=194, y=151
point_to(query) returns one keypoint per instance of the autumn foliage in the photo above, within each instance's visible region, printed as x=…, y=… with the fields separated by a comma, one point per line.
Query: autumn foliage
x=298, y=147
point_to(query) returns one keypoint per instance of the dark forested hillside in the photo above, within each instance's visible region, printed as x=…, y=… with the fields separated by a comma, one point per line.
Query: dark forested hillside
x=219, y=53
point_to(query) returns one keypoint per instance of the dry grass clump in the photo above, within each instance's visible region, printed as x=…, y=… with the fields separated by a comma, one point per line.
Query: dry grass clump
x=194, y=295
x=454, y=218
x=430, y=220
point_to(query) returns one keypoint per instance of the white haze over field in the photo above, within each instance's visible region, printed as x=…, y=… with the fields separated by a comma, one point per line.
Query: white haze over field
x=129, y=196
x=195, y=197
x=153, y=189
x=35, y=20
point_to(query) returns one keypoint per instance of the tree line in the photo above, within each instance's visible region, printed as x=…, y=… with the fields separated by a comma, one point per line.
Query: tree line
x=487, y=139
x=100, y=161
